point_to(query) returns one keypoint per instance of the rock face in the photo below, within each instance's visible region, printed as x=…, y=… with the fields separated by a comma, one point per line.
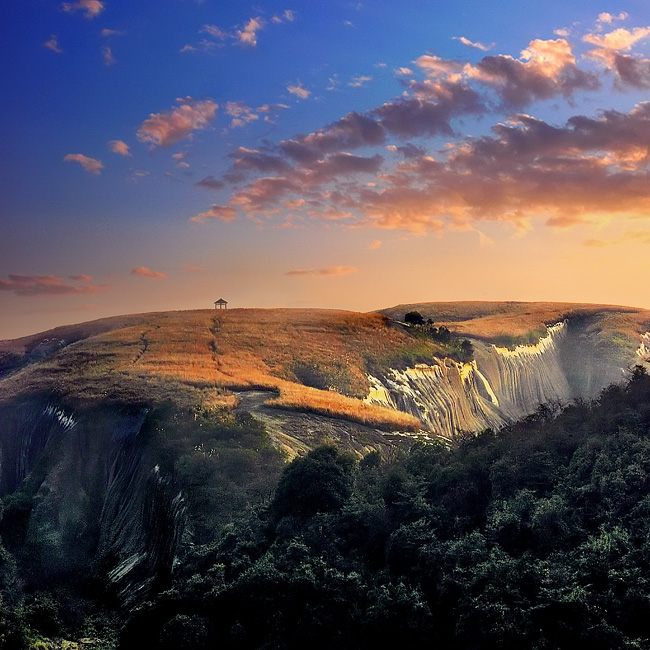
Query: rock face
x=92, y=495
x=502, y=384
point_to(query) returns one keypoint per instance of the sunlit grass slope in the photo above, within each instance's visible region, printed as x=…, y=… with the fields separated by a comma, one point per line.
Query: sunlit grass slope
x=524, y=322
x=316, y=360
x=313, y=360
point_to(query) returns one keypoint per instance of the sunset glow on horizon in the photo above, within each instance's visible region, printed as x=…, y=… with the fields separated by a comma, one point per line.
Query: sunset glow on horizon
x=350, y=155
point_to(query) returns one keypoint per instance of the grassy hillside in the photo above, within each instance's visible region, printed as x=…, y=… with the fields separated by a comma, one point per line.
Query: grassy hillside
x=310, y=360
x=524, y=322
x=313, y=360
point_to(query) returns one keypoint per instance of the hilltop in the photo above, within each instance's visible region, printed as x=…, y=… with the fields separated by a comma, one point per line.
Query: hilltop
x=310, y=360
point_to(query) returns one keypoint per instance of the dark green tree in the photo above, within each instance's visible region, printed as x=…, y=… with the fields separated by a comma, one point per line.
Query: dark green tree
x=320, y=482
x=414, y=318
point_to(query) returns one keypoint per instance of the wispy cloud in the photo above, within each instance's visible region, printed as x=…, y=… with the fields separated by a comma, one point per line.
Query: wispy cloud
x=107, y=55
x=53, y=285
x=210, y=183
x=146, y=272
x=628, y=237
x=92, y=8
x=357, y=82
x=244, y=35
x=53, y=44
x=91, y=165
x=287, y=16
x=163, y=129
x=112, y=32
x=475, y=44
x=119, y=147
x=374, y=245
x=327, y=272
x=218, y=212
x=298, y=90
x=241, y=114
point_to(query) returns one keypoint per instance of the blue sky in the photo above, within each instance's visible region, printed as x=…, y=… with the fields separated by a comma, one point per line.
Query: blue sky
x=323, y=154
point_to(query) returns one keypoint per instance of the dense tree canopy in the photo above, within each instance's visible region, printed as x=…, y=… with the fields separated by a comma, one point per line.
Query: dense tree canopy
x=536, y=537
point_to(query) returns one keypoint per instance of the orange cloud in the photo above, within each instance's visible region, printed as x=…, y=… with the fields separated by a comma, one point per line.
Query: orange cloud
x=248, y=35
x=146, y=272
x=589, y=170
x=610, y=18
x=53, y=44
x=163, y=129
x=439, y=68
x=219, y=212
x=595, y=243
x=119, y=147
x=298, y=90
x=620, y=39
x=374, y=245
x=328, y=272
x=91, y=165
x=263, y=193
x=214, y=31
x=546, y=68
x=244, y=35
x=92, y=7
x=630, y=70
x=53, y=285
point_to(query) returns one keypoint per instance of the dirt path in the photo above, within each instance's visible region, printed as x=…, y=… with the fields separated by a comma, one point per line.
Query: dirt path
x=296, y=432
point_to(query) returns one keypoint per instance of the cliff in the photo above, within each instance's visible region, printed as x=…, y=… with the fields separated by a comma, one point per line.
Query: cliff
x=126, y=440
x=574, y=358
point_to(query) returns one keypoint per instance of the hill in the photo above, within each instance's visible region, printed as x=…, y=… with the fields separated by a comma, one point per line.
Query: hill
x=315, y=361
x=132, y=442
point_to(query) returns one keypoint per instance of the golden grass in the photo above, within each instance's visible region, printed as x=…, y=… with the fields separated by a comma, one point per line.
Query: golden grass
x=198, y=357
x=207, y=353
x=303, y=398
x=492, y=320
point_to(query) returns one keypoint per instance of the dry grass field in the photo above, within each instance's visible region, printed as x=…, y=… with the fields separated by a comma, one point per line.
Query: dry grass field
x=311, y=360
x=494, y=322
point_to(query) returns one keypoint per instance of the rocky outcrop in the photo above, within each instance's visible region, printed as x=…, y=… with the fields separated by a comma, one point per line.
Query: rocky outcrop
x=502, y=384
x=88, y=496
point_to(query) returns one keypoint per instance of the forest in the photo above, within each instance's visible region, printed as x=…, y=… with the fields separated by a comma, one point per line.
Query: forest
x=536, y=536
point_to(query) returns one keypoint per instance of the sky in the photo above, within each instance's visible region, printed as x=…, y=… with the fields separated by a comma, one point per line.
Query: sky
x=320, y=153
